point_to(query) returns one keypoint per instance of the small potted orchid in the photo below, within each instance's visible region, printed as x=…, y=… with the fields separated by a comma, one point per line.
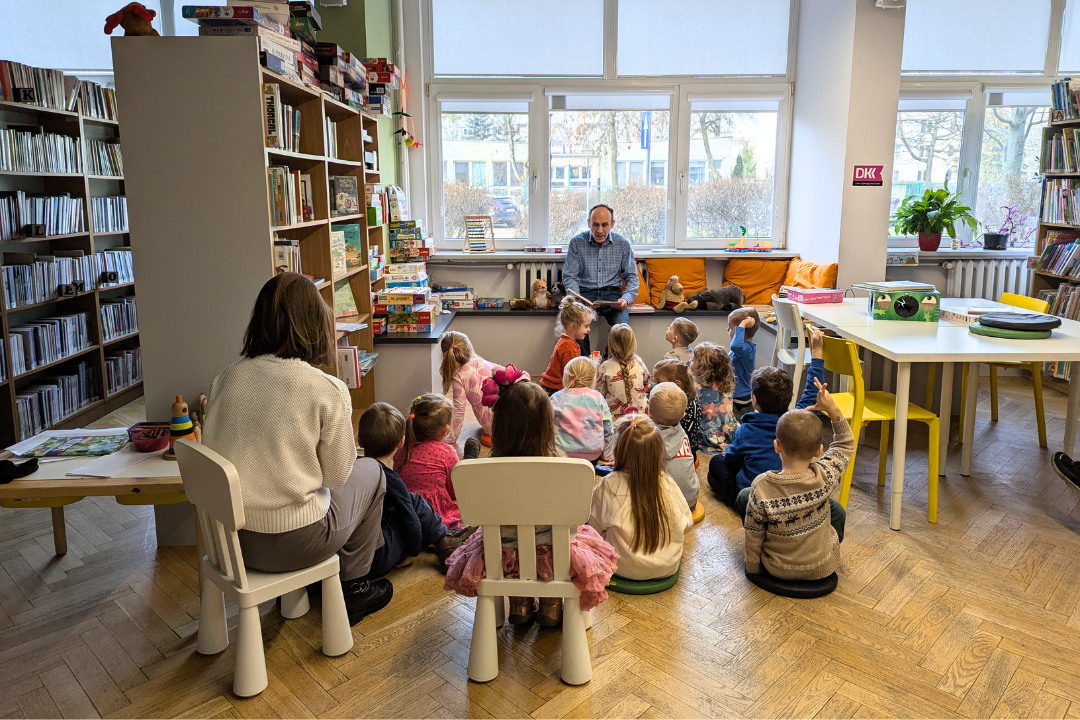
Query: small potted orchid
x=1012, y=226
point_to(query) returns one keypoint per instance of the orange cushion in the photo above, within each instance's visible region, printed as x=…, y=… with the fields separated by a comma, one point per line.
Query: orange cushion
x=759, y=279
x=691, y=272
x=805, y=274
x=642, y=291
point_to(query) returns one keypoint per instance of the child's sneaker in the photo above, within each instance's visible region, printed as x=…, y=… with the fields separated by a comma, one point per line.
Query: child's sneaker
x=1067, y=469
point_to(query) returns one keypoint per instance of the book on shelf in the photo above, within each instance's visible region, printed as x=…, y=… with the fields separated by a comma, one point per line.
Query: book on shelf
x=307, y=211
x=344, y=195
x=93, y=100
x=34, y=86
x=349, y=366
x=28, y=148
x=53, y=398
x=337, y=252
x=344, y=302
x=47, y=340
x=287, y=255
x=55, y=214
x=110, y=214
x=123, y=368
x=103, y=157
x=272, y=115
x=118, y=317
x=351, y=233
x=284, y=187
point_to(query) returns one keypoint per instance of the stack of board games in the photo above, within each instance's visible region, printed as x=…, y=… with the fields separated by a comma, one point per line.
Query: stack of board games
x=406, y=309
x=341, y=74
x=383, y=78
x=410, y=246
x=375, y=200
x=278, y=51
x=456, y=296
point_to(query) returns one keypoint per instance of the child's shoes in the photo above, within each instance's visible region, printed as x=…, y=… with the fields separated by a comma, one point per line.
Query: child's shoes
x=550, y=613
x=522, y=610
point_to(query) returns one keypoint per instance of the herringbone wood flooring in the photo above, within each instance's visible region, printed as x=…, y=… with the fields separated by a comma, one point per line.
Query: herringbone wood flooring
x=977, y=616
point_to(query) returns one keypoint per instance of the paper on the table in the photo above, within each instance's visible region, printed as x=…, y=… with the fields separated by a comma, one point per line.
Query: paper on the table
x=31, y=443
x=109, y=465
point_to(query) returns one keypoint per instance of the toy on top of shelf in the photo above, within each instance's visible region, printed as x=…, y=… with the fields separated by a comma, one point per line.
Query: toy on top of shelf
x=541, y=298
x=180, y=427
x=728, y=297
x=135, y=18
x=672, y=297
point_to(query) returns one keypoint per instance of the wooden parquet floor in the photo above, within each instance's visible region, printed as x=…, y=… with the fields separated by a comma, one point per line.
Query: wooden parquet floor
x=977, y=616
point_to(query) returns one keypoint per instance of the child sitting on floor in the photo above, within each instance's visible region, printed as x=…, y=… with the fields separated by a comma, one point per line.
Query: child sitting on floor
x=583, y=425
x=409, y=523
x=680, y=333
x=463, y=372
x=711, y=370
x=426, y=461
x=742, y=326
x=793, y=528
x=674, y=371
x=572, y=325
x=523, y=426
x=752, y=453
x=667, y=405
x=624, y=379
x=639, y=508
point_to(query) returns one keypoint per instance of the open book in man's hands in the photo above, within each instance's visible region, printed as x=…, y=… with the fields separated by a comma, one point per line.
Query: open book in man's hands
x=591, y=303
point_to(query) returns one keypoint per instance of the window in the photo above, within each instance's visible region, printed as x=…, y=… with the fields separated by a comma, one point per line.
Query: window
x=476, y=135
x=927, y=149
x=491, y=38
x=686, y=42
x=976, y=36
x=607, y=141
x=658, y=173
x=1069, y=59
x=732, y=168
x=1009, y=161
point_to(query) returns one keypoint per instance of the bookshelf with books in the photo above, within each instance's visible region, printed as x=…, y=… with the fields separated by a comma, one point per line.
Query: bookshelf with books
x=239, y=206
x=65, y=254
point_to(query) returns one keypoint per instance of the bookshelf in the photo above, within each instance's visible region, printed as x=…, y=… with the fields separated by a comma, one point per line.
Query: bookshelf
x=201, y=217
x=82, y=187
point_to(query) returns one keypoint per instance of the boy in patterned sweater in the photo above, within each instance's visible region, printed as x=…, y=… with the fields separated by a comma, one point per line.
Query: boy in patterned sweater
x=793, y=528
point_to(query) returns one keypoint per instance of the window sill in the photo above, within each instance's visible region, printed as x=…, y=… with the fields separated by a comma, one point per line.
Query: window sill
x=457, y=257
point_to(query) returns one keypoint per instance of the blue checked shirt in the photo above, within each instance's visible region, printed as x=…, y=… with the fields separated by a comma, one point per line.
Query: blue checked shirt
x=590, y=266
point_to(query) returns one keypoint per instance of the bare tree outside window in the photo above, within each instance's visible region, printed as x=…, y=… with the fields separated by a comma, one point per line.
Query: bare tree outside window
x=926, y=153
x=1009, y=168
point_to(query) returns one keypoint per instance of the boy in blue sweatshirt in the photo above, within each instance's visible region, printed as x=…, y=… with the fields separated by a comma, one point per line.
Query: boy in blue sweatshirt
x=742, y=326
x=752, y=452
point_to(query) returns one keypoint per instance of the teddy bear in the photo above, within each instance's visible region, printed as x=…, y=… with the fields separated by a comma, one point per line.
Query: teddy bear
x=134, y=17
x=729, y=297
x=672, y=297
x=541, y=298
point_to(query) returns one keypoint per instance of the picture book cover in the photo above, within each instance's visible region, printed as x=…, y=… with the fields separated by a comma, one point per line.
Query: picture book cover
x=344, y=303
x=78, y=446
x=337, y=252
x=346, y=195
x=353, y=257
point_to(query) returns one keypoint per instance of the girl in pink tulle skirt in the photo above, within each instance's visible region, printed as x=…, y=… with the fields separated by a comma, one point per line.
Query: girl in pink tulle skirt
x=523, y=426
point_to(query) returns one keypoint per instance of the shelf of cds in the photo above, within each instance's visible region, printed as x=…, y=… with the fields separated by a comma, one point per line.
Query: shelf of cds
x=69, y=342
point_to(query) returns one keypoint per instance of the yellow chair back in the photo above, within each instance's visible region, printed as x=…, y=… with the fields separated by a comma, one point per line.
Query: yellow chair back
x=1025, y=302
x=842, y=357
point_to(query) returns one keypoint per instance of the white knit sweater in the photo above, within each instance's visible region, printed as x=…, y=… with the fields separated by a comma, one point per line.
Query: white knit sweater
x=287, y=427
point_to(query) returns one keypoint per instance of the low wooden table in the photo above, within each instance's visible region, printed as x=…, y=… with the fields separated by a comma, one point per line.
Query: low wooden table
x=152, y=482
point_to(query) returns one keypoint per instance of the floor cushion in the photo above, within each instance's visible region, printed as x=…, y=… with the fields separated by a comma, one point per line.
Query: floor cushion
x=793, y=588
x=806, y=274
x=641, y=587
x=691, y=272
x=698, y=513
x=758, y=278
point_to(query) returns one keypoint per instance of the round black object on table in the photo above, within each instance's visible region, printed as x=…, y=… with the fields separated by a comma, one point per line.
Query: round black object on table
x=1019, y=321
x=800, y=589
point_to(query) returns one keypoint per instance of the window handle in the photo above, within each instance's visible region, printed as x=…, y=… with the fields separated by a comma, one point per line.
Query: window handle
x=682, y=182
x=536, y=174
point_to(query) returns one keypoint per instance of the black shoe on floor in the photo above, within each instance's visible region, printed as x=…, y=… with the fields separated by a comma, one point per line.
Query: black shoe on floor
x=363, y=597
x=472, y=449
x=449, y=543
x=1067, y=469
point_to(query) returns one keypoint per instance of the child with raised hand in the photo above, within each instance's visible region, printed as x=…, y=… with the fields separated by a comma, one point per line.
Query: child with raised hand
x=675, y=372
x=638, y=508
x=742, y=326
x=715, y=378
x=427, y=459
x=667, y=405
x=623, y=377
x=463, y=372
x=797, y=500
x=583, y=425
x=680, y=333
x=523, y=426
x=752, y=452
x=573, y=324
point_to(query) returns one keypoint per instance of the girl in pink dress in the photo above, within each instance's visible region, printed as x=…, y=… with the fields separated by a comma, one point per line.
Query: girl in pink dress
x=524, y=426
x=426, y=460
x=463, y=372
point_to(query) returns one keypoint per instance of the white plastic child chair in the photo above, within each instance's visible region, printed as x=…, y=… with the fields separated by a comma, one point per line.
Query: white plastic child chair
x=212, y=485
x=789, y=322
x=526, y=492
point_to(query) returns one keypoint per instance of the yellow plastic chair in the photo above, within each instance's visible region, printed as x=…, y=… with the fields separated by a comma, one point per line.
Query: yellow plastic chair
x=861, y=408
x=1035, y=368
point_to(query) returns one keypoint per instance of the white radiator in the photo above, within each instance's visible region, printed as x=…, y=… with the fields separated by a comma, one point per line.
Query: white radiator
x=988, y=278
x=552, y=272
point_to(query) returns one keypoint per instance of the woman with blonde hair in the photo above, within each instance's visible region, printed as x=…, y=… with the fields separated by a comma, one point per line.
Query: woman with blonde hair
x=638, y=508
x=623, y=378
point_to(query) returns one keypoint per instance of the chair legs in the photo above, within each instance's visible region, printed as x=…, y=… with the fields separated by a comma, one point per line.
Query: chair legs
x=576, y=663
x=931, y=379
x=935, y=439
x=337, y=637
x=883, y=453
x=250, y=676
x=213, y=632
x=993, y=393
x=1036, y=378
x=500, y=611
x=845, y=482
x=484, y=649
x=963, y=400
x=295, y=604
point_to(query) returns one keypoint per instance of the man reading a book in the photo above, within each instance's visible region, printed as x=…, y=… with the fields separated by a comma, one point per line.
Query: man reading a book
x=600, y=266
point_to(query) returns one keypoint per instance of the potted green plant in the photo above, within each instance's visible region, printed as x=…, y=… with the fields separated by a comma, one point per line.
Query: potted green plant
x=929, y=214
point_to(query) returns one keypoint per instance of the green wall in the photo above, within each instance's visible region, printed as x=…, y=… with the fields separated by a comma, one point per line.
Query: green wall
x=366, y=28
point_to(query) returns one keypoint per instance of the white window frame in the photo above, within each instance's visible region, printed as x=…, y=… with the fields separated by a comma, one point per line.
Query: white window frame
x=681, y=90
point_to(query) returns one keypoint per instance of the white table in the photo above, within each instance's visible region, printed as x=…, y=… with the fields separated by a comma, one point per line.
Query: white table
x=944, y=342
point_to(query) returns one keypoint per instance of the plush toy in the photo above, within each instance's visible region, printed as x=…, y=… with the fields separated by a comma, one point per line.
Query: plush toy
x=558, y=292
x=729, y=297
x=672, y=297
x=520, y=304
x=541, y=298
x=134, y=18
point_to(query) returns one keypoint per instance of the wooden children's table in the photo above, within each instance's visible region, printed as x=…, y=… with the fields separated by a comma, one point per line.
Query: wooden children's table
x=153, y=481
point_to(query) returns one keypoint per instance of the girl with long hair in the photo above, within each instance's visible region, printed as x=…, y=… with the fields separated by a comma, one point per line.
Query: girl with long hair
x=623, y=378
x=715, y=377
x=463, y=373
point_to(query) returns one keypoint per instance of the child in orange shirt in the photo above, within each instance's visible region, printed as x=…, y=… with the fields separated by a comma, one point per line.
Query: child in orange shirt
x=572, y=325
